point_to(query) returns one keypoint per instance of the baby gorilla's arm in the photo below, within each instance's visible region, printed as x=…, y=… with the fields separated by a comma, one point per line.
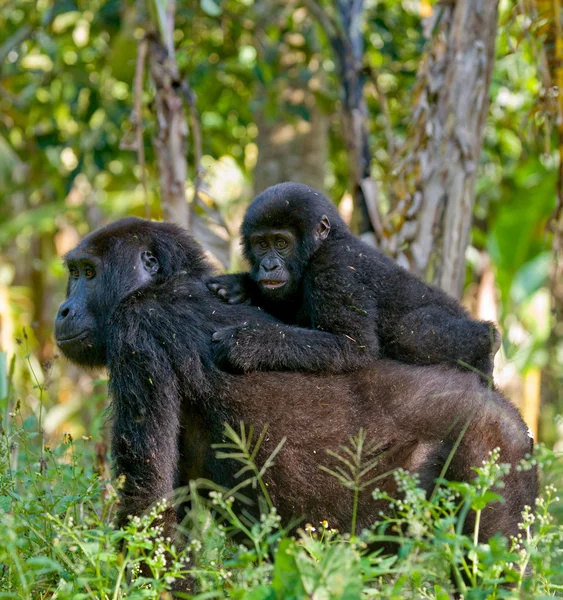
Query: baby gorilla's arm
x=279, y=347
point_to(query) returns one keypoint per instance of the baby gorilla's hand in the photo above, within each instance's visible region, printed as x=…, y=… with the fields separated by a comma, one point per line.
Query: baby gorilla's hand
x=229, y=288
x=234, y=348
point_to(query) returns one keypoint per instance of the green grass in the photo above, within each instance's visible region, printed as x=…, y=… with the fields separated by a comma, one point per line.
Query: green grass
x=57, y=538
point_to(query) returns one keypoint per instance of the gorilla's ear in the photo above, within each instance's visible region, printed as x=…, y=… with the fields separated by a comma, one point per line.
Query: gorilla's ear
x=322, y=230
x=150, y=262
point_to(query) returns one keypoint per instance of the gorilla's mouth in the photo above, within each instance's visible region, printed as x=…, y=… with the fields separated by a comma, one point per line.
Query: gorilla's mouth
x=73, y=338
x=271, y=284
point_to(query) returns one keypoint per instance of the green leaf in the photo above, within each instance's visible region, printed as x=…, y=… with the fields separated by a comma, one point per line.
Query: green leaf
x=5, y=503
x=210, y=7
x=488, y=497
x=43, y=564
x=262, y=592
x=60, y=7
x=531, y=277
x=287, y=582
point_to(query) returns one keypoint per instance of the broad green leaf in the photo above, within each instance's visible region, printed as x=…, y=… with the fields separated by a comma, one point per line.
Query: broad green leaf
x=287, y=582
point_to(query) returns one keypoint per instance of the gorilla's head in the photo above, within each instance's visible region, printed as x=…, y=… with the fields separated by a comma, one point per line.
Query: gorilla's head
x=282, y=229
x=109, y=265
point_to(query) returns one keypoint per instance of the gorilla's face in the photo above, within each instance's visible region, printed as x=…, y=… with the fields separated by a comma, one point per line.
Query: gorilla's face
x=275, y=264
x=279, y=258
x=97, y=283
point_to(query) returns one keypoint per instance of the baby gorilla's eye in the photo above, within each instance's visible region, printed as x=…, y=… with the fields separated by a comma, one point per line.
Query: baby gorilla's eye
x=281, y=243
x=73, y=272
x=262, y=244
x=89, y=272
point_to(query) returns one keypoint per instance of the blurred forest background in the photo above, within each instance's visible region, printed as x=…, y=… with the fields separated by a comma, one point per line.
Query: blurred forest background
x=437, y=129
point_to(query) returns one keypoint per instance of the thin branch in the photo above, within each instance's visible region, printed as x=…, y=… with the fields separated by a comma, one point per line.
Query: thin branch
x=326, y=21
x=22, y=34
x=139, y=78
x=368, y=186
x=558, y=34
x=384, y=105
x=15, y=40
x=196, y=133
x=170, y=16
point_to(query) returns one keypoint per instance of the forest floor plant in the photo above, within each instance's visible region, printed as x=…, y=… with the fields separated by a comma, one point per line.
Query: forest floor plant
x=57, y=539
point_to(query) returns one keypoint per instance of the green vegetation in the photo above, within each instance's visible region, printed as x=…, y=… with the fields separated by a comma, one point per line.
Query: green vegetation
x=58, y=540
x=256, y=72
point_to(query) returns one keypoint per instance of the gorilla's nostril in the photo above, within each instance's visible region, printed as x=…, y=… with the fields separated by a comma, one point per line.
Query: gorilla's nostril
x=64, y=312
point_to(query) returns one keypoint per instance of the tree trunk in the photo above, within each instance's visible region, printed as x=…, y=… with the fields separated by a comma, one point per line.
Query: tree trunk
x=170, y=141
x=550, y=13
x=344, y=32
x=350, y=51
x=292, y=129
x=41, y=248
x=292, y=149
x=449, y=120
x=428, y=230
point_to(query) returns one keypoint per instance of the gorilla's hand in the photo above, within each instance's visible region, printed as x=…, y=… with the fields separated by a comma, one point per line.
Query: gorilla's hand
x=230, y=288
x=231, y=348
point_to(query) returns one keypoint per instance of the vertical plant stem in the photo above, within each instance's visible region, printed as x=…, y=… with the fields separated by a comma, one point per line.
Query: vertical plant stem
x=40, y=388
x=139, y=78
x=449, y=459
x=118, y=581
x=355, y=508
x=476, y=541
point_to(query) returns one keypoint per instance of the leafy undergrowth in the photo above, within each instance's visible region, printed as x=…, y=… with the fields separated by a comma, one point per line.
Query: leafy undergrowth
x=57, y=539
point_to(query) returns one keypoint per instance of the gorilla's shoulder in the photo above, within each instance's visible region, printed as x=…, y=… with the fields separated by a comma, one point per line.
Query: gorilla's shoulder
x=156, y=305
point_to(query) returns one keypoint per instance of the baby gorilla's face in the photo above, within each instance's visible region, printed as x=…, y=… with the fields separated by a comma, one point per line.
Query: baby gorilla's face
x=275, y=262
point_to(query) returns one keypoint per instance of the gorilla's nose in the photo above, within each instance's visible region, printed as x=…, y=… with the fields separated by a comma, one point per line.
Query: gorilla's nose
x=270, y=265
x=64, y=311
x=69, y=324
x=66, y=323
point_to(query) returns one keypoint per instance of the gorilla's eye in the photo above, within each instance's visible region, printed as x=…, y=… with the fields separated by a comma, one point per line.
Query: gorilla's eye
x=89, y=272
x=281, y=243
x=73, y=272
x=263, y=244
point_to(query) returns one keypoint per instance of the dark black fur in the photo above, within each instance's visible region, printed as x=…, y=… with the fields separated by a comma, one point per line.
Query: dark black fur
x=139, y=304
x=352, y=303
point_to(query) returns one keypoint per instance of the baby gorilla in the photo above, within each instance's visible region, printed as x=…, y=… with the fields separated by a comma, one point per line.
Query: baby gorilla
x=351, y=303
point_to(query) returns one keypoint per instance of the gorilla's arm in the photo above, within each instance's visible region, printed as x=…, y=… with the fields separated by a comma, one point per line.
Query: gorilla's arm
x=343, y=339
x=279, y=347
x=146, y=412
x=341, y=336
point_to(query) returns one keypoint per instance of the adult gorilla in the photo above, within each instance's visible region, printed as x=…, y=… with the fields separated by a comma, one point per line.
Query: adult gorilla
x=137, y=303
x=353, y=304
